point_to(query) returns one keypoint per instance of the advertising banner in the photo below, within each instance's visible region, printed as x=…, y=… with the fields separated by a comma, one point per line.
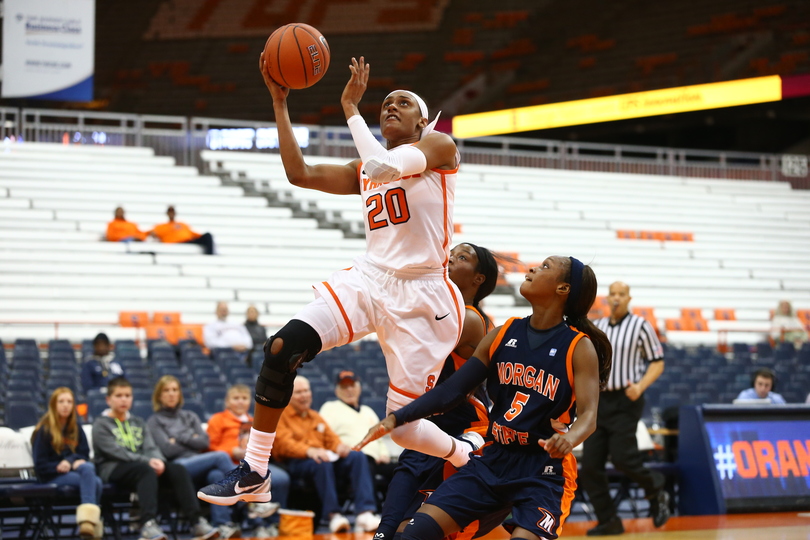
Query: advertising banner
x=769, y=458
x=48, y=49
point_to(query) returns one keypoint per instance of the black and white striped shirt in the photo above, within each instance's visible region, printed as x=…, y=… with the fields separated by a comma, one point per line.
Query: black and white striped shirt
x=634, y=345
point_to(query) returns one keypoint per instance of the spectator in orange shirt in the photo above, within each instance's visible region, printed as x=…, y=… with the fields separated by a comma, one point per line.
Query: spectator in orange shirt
x=121, y=230
x=228, y=432
x=176, y=232
x=313, y=451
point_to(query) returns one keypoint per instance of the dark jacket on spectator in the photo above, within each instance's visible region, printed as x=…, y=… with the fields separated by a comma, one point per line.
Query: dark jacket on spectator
x=98, y=370
x=46, y=458
x=258, y=333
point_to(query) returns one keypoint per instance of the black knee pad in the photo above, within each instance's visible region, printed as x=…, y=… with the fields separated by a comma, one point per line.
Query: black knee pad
x=422, y=527
x=274, y=386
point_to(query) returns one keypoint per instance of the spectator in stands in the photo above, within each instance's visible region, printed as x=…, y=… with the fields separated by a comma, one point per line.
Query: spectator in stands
x=121, y=230
x=786, y=326
x=222, y=334
x=763, y=384
x=228, y=431
x=176, y=232
x=126, y=455
x=62, y=456
x=257, y=332
x=638, y=360
x=101, y=366
x=179, y=435
x=351, y=421
x=311, y=450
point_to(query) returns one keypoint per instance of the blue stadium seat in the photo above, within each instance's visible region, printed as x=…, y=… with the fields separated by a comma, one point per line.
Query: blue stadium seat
x=785, y=351
x=196, y=406
x=20, y=414
x=24, y=384
x=699, y=398
x=803, y=355
x=142, y=409
x=669, y=399
x=213, y=400
x=764, y=350
x=377, y=403
x=96, y=405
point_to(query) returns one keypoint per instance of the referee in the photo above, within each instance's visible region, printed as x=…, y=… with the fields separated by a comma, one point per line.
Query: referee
x=638, y=360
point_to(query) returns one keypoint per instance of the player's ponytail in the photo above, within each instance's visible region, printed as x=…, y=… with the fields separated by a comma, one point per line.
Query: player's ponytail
x=488, y=266
x=579, y=302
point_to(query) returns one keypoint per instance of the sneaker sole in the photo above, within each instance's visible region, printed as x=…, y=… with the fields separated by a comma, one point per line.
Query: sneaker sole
x=228, y=501
x=210, y=536
x=265, y=514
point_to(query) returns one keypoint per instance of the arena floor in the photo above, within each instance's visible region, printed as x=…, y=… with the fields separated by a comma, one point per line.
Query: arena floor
x=773, y=526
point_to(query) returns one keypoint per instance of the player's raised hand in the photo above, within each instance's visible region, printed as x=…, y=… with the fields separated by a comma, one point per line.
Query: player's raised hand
x=278, y=92
x=385, y=426
x=356, y=86
x=557, y=446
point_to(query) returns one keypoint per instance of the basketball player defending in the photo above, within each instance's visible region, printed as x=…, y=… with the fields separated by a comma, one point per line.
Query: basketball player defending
x=399, y=288
x=540, y=371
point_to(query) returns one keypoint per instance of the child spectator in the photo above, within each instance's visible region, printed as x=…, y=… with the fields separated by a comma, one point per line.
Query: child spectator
x=228, y=431
x=62, y=456
x=126, y=455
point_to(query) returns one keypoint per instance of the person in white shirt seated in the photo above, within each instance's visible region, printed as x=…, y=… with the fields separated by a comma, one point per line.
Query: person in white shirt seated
x=351, y=420
x=223, y=334
x=763, y=382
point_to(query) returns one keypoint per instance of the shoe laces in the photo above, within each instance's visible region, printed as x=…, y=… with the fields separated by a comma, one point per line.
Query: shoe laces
x=236, y=474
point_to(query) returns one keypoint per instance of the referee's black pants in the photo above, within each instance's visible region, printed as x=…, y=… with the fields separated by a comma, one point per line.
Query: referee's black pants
x=615, y=437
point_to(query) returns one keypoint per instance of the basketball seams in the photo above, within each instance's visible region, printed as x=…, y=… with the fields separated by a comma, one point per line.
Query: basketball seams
x=278, y=56
x=321, y=44
x=301, y=54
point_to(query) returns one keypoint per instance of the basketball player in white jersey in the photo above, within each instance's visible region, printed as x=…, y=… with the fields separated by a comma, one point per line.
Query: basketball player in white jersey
x=399, y=288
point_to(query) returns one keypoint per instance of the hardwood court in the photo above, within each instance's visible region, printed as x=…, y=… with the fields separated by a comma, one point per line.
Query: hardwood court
x=775, y=526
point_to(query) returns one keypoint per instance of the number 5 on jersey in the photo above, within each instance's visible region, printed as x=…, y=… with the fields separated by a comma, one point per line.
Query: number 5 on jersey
x=517, y=406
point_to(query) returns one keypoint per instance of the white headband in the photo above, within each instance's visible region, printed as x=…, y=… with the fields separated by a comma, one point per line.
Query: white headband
x=422, y=108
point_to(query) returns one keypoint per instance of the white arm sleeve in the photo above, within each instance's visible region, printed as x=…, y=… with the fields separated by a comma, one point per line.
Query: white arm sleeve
x=383, y=165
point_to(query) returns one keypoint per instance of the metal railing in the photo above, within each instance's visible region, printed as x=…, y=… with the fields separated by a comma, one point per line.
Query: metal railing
x=184, y=138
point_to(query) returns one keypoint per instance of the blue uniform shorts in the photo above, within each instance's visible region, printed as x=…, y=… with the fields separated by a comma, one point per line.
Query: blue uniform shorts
x=537, y=488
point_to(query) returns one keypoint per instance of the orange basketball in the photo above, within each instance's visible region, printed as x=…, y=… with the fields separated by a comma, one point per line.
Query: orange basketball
x=297, y=55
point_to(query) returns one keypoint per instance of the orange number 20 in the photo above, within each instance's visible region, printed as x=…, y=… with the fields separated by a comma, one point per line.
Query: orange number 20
x=394, y=202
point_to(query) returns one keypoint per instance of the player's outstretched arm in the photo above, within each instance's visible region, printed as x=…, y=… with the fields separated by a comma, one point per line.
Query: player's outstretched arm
x=443, y=397
x=337, y=179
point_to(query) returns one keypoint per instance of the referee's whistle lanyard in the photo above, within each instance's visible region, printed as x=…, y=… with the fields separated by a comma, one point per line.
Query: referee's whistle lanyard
x=127, y=437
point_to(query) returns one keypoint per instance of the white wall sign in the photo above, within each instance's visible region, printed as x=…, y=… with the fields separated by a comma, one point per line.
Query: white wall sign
x=48, y=49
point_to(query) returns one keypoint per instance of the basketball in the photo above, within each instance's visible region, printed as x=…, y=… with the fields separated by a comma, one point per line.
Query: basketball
x=297, y=55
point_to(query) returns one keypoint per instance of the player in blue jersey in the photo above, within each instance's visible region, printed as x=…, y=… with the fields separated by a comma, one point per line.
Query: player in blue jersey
x=541, y=372
x=475, y=271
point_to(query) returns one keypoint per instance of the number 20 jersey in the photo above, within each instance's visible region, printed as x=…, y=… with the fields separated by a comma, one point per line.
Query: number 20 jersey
x=409, y=222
